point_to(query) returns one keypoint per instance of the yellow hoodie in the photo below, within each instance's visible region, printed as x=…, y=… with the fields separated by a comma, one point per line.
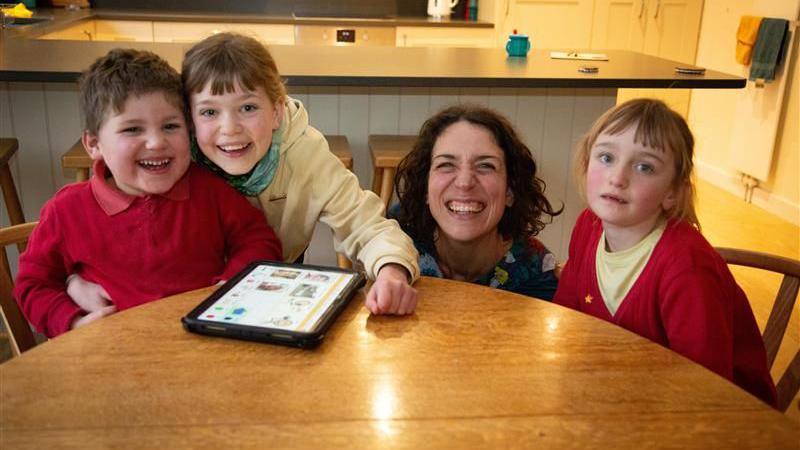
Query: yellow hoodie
x=312, y=185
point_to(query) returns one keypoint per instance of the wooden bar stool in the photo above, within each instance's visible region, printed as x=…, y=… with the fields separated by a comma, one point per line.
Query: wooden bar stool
x=387, y=151
x=8, y=147
x=77, y=158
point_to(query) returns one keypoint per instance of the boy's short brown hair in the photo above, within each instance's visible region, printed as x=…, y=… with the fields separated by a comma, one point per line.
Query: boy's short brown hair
x=113, y=78
x=228, y=59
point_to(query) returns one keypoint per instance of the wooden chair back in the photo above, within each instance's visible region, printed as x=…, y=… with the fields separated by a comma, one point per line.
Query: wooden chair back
x=789, y=383
x=20, y=335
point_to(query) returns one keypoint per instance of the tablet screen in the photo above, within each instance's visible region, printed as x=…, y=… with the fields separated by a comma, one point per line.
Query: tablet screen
x=286, y=298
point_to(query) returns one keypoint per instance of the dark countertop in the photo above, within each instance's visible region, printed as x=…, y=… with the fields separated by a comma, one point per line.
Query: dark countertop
x=23, y=58
x=63, y=18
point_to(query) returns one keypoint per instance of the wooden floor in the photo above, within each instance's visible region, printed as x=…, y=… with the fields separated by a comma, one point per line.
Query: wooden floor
x=729, y=221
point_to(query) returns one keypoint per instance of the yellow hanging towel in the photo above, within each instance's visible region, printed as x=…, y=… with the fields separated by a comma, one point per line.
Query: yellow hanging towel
x=746, y=38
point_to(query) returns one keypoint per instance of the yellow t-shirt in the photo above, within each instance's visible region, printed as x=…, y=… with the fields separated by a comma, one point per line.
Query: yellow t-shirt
x=617, y=271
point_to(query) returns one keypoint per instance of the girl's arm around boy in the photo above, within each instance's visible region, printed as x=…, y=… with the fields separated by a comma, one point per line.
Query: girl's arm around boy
x=248, y=237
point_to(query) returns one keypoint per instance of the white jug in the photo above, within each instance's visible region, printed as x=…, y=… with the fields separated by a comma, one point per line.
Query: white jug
x=440, y=8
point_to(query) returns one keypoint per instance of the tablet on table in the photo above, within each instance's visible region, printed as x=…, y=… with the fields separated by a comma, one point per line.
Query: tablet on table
x=279, y=303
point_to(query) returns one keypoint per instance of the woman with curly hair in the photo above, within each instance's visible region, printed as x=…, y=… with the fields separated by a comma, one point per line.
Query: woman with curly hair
x=472, y=203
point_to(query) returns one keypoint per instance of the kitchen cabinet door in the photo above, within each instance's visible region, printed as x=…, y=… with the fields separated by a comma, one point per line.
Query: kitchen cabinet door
x=619, y=24
x=184, y=32
x=82, y=31
x=444, y=37
x=273, y=34
x=190, y=32
x=552, y=24
x=124, y=30
x=672, y=29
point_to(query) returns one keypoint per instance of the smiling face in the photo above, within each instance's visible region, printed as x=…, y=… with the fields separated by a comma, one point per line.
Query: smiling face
x=629, y=185
x=234, y=129
x=467, y=185
x=145, y=147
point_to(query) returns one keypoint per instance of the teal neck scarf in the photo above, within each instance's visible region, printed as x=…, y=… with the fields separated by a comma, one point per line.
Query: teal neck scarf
x=253, y=182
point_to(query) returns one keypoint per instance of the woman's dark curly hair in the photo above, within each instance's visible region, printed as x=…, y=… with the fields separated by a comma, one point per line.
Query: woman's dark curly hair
x=522, y=218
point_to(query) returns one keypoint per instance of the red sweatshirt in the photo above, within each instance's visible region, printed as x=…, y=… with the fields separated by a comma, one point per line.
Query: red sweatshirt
x=139, y=249
x=685, y=299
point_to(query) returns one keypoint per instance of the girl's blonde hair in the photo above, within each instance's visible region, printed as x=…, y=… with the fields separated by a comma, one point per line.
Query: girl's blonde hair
x=657, y=127
x=228, y=59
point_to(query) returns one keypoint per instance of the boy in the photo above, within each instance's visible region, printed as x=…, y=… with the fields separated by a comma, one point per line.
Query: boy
x=148, y=224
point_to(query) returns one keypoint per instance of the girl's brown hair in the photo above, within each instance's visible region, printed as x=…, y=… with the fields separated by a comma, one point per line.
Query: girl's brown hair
x=658, y=127
x=228, y=59
x=522, y=219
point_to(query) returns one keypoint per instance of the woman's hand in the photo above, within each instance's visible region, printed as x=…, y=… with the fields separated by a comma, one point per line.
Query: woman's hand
x=91, y=297
x=92, y=316
x=391, y=293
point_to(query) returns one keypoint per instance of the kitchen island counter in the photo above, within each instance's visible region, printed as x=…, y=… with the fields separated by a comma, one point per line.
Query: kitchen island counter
x=25, y=58
x=355, y=92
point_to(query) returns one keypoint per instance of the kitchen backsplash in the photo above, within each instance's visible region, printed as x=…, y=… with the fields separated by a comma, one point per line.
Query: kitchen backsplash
x=339, y=8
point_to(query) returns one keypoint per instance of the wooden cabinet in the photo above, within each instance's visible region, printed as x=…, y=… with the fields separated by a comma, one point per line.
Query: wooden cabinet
x=674, y=29
x=106, y=30
x=664, y=28
x=619, y=24
x=444, y=37
x=195, y=31
x=124, y=30
x=82, y=31
x=556, y=24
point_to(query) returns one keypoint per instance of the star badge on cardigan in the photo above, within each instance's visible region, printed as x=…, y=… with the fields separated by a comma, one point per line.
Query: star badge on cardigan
x=588, y=298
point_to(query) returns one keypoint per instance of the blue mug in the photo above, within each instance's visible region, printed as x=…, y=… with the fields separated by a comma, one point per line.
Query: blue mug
x=518, y=45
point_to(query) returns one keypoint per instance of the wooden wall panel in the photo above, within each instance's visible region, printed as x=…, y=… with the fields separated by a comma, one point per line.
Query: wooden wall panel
x=30, y=121
x=553, y=160
x=64, y=125
x=414, y=109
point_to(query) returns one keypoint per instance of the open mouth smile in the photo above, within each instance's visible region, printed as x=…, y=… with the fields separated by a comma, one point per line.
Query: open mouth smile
x=154, y=165
x=465, y=207
x=235, y=149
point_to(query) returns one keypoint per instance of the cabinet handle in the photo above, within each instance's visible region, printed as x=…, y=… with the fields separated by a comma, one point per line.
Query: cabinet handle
x=641, y=9
x=88, y=34
x=658, y=8
x=508, y=5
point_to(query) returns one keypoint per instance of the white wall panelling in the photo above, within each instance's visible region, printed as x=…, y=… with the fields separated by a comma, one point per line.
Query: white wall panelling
x=44, y=117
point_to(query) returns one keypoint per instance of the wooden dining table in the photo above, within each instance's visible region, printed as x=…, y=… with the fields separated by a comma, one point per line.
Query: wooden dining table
x=474, y=367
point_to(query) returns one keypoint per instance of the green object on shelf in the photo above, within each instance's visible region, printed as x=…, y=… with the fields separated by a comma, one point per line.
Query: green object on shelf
x=29, y=3
x=473, y=10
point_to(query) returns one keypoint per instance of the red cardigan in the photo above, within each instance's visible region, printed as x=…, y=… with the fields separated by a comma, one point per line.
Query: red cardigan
x=139, y=249
x=685, y=299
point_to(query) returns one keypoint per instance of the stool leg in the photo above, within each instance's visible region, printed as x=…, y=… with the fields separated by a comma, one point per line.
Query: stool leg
x=387, y=186
x=15, y=215
x=81, y=175
x=376, y=180
x=343, y=262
